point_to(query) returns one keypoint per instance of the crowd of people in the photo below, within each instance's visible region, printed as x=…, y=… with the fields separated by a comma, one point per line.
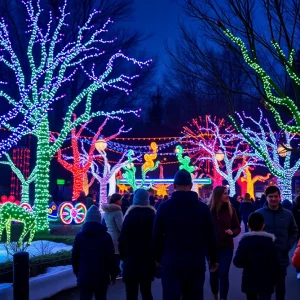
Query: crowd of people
x=174, y=239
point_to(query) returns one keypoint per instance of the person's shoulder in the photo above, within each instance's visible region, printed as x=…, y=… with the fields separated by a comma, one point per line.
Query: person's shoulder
x=261, y=211
x=258, y=237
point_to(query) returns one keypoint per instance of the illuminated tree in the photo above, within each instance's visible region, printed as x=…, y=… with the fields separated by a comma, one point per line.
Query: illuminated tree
x=52, y=69
x=24, y=182
x=79, y=167
x=268, y=148
x=275, y=98
x=108, y=172
x=227, y=147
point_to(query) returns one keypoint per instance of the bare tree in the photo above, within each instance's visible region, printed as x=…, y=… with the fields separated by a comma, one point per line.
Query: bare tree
x=209, y=54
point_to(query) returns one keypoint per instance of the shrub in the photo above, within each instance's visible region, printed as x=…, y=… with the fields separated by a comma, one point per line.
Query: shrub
x=38, y=265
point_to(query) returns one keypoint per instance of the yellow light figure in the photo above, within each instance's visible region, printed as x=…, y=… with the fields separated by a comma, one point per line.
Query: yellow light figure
x=161, y=189
x=149, y=158
x=86, y=184
x=251, y=181
x=123, y=188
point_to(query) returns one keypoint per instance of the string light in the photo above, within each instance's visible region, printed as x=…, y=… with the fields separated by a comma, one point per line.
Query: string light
x=216, y=142
x=57, y=66
x=21, y=171
x=275, y=96
x=266, y=148
x=11, y=212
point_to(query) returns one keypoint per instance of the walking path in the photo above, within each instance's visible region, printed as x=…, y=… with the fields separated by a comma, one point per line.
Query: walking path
x=117, y=291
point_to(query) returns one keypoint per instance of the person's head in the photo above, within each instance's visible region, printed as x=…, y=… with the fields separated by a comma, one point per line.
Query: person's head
x=297, y=200
x=165, y=198
x=218, y=197
x=141, y=198
x=183, y=181
x=126, y=196
x=116, y=199
x=256, y=222
x=273, y=196
x=82, y=194
x=93, y=215
x=247, y=197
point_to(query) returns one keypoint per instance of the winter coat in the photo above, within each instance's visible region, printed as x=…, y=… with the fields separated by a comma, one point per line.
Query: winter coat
x=135, y=244
x=224, y=221
x=236, y=205
x=246, y=209
x=287, y=205
x=183, y=234
x=113, y=219
x=282, y=224
x=93, y=256
x=257, y=255
x=296, y=214
x=296, y=257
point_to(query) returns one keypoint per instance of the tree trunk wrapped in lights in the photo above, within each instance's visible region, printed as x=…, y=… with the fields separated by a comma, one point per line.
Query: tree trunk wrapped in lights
x=108, y=172
x=221, y=145
x=24, y=182
x=53, y=68
x=266, y=146
x=227, y=147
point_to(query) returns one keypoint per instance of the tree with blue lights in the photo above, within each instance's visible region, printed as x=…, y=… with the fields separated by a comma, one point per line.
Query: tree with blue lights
x=53, y=66
x=271, y=148
x=227, y=151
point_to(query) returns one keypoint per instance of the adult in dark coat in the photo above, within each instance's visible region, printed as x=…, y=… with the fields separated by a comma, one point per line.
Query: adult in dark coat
x=135, y=247
x=296, y=214
x=257, y=255
x=281, y=223
x=235, y=203
x=183, y=234
x=247, y=207
x=93, y=257
x=125, y=203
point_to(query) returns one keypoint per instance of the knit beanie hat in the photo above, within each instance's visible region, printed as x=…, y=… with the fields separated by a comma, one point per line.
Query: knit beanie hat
x=183, y=177
x=141, y=197
x=93, y=215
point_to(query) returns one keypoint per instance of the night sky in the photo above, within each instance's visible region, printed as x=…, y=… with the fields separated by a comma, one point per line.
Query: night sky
x=159, y=19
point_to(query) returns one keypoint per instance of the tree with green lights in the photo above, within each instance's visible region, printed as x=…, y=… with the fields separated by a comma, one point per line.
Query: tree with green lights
x=53, y=67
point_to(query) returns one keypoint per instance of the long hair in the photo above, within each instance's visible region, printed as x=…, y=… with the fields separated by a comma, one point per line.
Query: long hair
x=215, y=201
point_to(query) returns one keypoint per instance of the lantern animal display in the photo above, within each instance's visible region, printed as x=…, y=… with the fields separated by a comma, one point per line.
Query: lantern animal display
x=70, y=213
x=11, y=212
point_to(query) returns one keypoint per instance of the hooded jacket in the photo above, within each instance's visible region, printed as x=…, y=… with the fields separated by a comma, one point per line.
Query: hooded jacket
x=183, y=234
x=282, y=224
x=113, y=217
x=257, y=255
x=135, y=244
x=93, y=256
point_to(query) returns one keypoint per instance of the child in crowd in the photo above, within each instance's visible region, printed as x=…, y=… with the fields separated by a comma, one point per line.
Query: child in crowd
x=93, y=257
x=258, y=257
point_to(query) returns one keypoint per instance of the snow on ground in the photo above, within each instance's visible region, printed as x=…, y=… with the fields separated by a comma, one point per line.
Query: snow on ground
x=37, y=248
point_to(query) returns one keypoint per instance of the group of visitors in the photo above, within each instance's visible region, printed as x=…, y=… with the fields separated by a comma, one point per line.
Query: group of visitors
x=175, y=241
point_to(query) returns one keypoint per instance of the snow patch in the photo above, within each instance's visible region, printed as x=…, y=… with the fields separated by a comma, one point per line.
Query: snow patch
x=43, y=286
x=37, y=248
